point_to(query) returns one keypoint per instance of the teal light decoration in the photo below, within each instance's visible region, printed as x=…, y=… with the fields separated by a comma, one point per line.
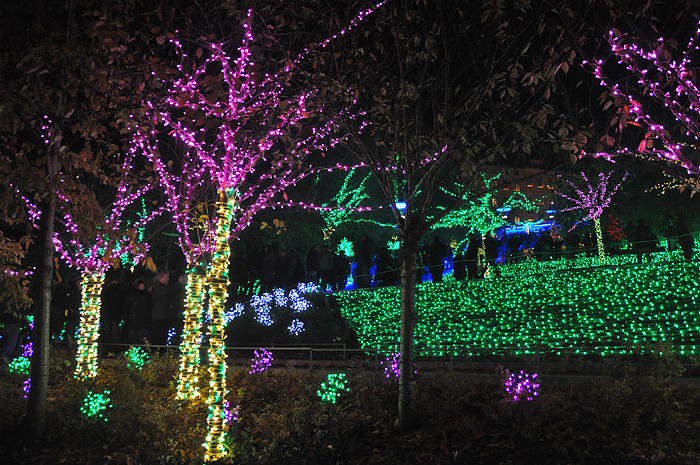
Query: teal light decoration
x=332, y=389
x=346, y=247
x=136, y=358
x=95, y=404
x=393, y=245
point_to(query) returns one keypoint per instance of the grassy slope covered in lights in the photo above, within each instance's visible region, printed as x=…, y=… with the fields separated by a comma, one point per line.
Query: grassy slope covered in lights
x=599, y=310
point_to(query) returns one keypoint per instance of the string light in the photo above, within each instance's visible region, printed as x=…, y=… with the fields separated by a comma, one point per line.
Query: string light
x=217, y=279
x=601, y=310
x=95, y=404
x=188, y=375
x=658, y=78
x=262, y=360
x=333, y=387
x=89, y=329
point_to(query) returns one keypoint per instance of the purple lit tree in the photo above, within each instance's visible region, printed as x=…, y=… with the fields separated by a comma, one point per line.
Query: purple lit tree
x=591, y=200
x=93, y=245
x=244, y=125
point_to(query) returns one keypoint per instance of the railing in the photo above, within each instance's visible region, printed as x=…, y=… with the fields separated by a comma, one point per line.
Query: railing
x=557, y=361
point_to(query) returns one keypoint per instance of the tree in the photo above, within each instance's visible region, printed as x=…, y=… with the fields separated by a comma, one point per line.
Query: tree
x=648, y=108
x=592, y=200
x=245, y=122
x=447, y=91
x=68, y=84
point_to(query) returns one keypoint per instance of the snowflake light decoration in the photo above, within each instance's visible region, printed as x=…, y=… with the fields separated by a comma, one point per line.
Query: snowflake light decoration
x=20, y=365
x=521, y=388
x=391, y=366
x=136, y=358
x=261, y=304
x=233, y=313
x=26, y=387
x=296, y=328
x=230, y=414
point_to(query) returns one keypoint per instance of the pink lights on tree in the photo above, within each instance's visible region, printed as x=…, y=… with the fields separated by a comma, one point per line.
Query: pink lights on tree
x=243, y=125
x=660, y=86
x=591, y=200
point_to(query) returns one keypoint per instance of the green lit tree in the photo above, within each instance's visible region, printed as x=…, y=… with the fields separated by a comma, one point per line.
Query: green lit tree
x=477, y=213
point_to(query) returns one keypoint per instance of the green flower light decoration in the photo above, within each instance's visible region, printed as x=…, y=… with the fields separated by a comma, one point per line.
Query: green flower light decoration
x=331, y=390
x=94, y=405
x=20, y=365
x=136, y=358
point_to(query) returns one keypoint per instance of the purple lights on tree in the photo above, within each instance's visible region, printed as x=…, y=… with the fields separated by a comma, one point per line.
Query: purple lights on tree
x=594, y=197
x=592, y=200
x=659, y=86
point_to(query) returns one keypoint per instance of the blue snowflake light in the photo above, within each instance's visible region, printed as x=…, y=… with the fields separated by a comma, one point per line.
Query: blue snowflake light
x=280, y=297
x=261, y=304
x=296, y=328
x=234, y=312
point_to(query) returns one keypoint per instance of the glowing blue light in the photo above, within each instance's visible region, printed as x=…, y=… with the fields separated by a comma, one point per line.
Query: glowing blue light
x=296, y=327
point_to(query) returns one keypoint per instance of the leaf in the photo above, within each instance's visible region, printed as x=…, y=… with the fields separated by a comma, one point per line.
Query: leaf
x=642, y=146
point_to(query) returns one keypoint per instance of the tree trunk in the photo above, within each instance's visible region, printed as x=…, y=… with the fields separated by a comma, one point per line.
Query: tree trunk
x=217, y=278
x=409, y=252
x=35, y=421
x=599, y=239
x=89, y=332
x=188, y=377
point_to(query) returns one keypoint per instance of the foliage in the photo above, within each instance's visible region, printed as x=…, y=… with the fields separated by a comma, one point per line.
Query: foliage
x=630, y=419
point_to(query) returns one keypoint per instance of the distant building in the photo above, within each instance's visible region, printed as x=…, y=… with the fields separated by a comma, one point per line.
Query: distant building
x=536, y=185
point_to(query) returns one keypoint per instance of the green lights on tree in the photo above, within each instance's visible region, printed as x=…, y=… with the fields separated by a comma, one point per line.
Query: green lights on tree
x=346, y=200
